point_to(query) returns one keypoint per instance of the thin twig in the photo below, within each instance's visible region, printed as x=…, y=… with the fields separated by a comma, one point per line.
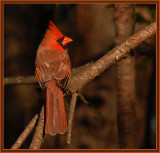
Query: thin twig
x=71, y=115
x=20, y=80
x=82, y=98
x=32, y=79
x=38, y=136
x=25, y=133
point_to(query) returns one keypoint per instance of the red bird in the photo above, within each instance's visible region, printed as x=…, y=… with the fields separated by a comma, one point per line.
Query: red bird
x=53, y=70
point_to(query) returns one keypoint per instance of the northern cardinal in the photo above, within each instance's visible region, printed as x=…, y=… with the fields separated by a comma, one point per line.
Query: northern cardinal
x=53, y=70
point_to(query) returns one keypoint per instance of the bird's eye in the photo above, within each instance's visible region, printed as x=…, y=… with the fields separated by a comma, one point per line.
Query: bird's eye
x=60, y=40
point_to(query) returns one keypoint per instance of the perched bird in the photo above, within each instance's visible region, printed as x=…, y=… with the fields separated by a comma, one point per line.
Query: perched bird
x=53, y=69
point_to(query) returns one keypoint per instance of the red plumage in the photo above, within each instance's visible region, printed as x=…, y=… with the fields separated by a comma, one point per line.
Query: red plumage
x=53, y=68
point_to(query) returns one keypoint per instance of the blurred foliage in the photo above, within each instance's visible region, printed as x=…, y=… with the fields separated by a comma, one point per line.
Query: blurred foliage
x=140, y=18
x=152, y=10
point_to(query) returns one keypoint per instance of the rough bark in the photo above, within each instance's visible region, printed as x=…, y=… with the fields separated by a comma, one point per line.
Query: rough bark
x=78, y=81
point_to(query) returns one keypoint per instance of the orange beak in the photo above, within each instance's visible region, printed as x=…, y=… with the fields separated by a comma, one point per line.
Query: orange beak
x=66, y=40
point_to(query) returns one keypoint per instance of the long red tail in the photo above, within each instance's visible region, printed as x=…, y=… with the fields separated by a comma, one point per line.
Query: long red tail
x=55, y=111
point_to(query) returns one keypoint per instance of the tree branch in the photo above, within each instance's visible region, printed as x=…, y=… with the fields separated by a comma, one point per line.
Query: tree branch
x=38, y=136
x=78, y=81
x=20, y=80
x=32, y=79
x=83, y=98
x=71, y=115
x=81, y=78
x=25, y=133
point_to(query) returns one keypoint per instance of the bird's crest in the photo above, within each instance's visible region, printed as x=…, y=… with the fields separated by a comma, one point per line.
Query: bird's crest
x=53, y=30
x=52, y=36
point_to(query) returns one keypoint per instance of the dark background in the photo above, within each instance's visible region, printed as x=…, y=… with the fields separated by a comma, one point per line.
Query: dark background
x=91, y=26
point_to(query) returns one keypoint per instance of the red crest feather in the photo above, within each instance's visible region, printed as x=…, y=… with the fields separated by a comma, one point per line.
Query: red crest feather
x=55, y=31
x=51, y=37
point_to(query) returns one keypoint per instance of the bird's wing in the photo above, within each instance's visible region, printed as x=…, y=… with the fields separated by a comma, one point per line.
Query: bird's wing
x=53, y=64
x=61, y=68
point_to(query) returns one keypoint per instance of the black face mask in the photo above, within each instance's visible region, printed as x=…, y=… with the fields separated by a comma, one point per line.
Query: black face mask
x=60, y=41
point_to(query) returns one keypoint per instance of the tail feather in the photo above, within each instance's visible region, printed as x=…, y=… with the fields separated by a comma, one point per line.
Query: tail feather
x=55, y=111
x=49, y=126
x=60, y=116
